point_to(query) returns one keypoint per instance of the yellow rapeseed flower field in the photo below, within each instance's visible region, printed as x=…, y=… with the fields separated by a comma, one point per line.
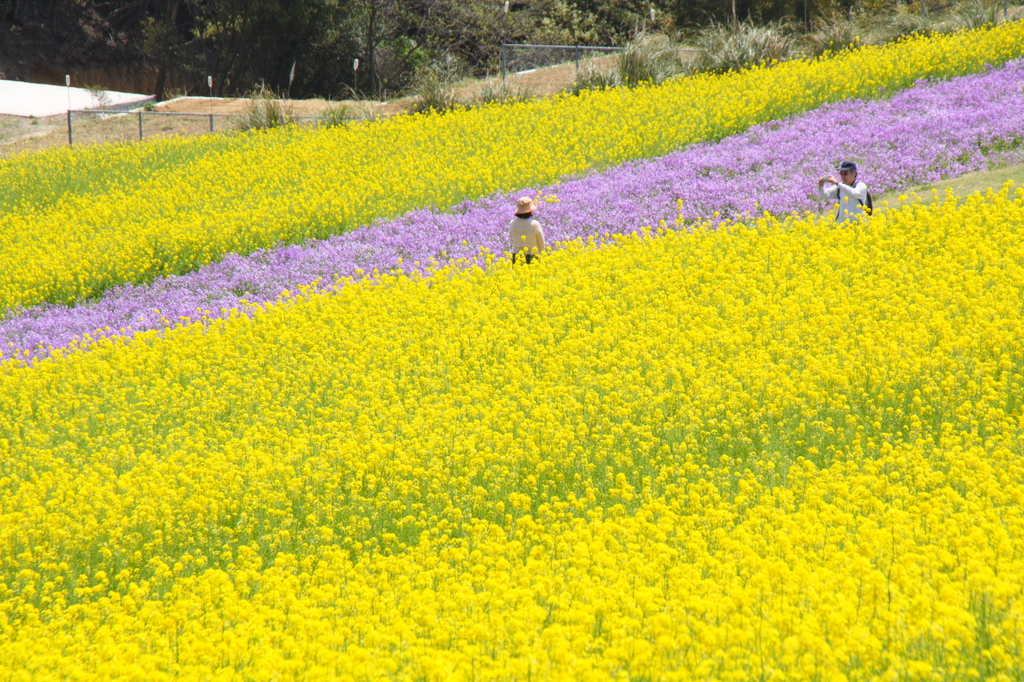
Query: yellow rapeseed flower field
x=778, y=451
x=64, y=237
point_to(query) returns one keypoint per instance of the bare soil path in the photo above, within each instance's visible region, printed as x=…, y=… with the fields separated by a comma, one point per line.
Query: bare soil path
x=26, y=135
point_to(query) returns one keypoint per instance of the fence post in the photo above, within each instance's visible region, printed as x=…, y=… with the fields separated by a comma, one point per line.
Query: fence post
x=576, y=53
x=67, y=82
x=140, y=125
x=502, y=51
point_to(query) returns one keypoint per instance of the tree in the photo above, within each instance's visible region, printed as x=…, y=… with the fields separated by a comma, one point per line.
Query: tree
x=159, y=41
x=374, y=22
x=238, y=42
x=470, y=31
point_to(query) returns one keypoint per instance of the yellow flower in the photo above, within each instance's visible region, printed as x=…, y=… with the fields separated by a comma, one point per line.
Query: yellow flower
x=650, y=455
x=76, y=222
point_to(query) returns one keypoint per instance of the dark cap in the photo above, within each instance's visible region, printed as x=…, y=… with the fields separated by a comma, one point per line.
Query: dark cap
x=848, y=166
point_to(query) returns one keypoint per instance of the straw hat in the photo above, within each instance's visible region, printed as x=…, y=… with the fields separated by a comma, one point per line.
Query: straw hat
x=525, y=205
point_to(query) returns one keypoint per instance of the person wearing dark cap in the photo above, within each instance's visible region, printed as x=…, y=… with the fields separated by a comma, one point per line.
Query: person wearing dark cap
x=852, y=194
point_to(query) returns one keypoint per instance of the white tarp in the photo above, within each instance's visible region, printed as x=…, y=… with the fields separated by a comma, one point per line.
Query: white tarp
x=33, y=99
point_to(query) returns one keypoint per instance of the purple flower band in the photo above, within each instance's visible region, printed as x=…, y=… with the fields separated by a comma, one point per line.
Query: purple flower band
x=926, y=133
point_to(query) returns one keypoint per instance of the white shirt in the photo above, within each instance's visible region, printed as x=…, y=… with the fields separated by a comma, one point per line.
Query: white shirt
x=525, y=234
x=852, y=199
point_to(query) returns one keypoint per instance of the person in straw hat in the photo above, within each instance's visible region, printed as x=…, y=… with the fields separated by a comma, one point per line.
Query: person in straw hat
x=524, y=232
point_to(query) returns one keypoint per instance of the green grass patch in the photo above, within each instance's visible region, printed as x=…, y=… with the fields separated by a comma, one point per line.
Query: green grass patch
x=963, y=186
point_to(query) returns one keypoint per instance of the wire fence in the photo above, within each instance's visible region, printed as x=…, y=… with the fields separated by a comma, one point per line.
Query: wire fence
x=516, y=59
x=123, y=126
x=111, y=124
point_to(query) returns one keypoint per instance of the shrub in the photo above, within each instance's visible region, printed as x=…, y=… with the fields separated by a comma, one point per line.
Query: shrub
x=435, y=86
x=593, y=76
x=265, y=110
x=834, y=32
x=974, y=13
x=333, y=115
x=901, y=21
x=649, y=59
x=497, y=91
x=100, y=97
x=723, y=48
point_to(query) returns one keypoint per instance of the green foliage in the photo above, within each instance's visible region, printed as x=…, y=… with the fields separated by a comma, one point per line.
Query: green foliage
x=471, y=31
x=242, y=43
x=435, y=86
x=594, y=76
x=650, y=58
x=837, y=31
x=976, y=13
x=334, y=115
x=879, y=23
x=498, y=91
x=841, y=31
x=733, y=47
x=893, y=21
x=264, y=110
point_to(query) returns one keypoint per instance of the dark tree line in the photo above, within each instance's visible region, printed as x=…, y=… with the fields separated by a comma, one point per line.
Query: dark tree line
x=308, y=47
